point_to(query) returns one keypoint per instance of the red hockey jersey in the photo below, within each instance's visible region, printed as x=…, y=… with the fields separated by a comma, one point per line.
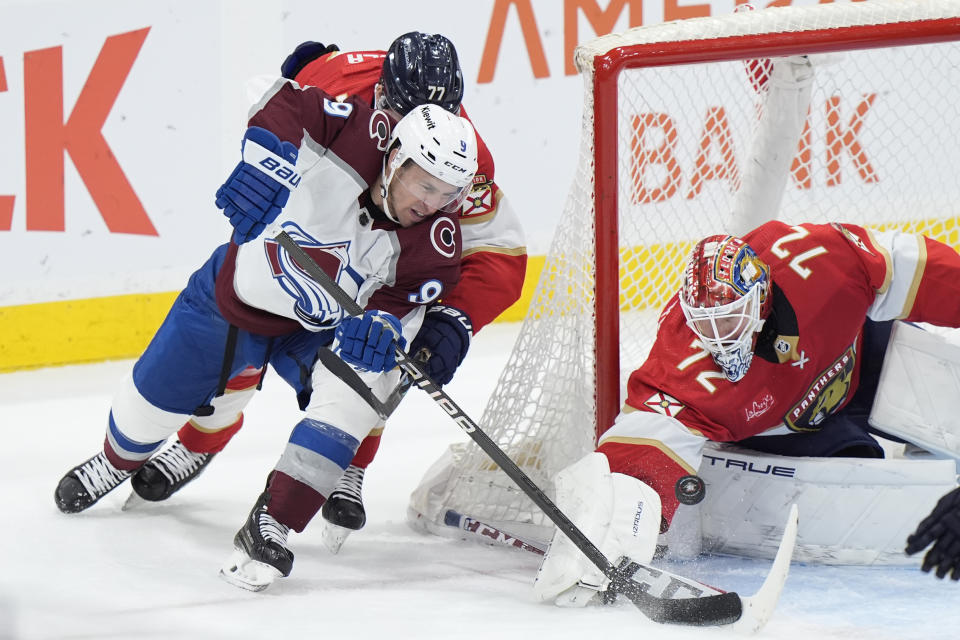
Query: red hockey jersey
x=828, y=279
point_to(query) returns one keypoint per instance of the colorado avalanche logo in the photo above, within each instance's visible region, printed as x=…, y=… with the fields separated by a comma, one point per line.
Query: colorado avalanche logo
x=379, y=129
x=443, y=236
x=312, y=304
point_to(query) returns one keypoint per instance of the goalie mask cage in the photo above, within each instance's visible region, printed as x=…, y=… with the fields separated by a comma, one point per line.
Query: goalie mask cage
x=669, y=117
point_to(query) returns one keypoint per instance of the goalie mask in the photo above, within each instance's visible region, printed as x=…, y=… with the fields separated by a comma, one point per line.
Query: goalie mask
x=726, y=298
x=440, y=143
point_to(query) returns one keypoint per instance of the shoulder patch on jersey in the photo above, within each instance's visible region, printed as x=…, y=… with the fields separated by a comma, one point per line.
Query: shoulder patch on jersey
x=851, y=237
x=664, y=404
x=443, y=236
x=786, y=348
x=379, y=128
x=480, y=201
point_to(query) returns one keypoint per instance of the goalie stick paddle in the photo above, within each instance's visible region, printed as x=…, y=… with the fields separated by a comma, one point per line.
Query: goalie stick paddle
x=719, y=609
x=661, y=583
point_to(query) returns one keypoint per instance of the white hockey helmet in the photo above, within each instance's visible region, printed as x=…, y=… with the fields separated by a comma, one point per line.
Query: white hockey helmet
x=726, y=298
x=443, y=145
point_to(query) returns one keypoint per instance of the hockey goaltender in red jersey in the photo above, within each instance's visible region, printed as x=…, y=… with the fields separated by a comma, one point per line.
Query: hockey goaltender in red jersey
x=764, y=345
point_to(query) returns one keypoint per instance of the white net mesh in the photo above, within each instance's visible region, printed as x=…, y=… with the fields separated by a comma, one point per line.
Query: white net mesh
x=877, y=148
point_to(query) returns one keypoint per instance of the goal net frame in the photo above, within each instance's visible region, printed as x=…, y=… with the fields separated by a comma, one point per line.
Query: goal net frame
x=606, y=68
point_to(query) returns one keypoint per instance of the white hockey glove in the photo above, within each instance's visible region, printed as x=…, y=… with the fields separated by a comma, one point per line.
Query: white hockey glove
x=618, y=513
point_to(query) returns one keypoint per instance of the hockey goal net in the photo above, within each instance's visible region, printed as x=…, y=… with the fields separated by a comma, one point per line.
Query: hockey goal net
x=669, y=134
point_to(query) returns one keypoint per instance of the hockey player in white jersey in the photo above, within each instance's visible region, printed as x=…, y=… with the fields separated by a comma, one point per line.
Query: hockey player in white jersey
x=418, y=68
x=376, y=210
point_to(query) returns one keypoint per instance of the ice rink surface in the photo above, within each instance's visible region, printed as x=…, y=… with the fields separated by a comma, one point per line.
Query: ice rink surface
x=152, y=572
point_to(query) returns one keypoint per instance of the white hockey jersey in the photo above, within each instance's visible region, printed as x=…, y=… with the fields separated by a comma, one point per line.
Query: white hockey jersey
x=378, y=262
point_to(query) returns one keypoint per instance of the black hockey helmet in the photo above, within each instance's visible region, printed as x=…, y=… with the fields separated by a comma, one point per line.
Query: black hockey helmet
x=421, y=68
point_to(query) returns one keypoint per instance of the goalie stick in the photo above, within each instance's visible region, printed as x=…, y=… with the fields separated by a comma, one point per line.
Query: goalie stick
x=715, y=609
x=757, y=608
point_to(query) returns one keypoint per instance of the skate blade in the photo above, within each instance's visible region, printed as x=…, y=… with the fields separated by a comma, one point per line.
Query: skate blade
x=333, y=536
x=134, y=501
x=242, y=572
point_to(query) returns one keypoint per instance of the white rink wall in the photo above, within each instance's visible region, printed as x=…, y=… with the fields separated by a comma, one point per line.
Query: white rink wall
x=119, y=120
x=168, y=102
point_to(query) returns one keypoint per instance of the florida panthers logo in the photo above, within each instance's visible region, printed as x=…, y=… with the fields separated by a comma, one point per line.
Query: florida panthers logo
x=825, y=396
x=312, y=304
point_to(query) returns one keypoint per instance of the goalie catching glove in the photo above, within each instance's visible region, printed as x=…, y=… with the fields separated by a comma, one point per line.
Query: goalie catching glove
x=258, y=189
x=942, y=528
x=443, y=339
x=618, y=513
x=369, y=342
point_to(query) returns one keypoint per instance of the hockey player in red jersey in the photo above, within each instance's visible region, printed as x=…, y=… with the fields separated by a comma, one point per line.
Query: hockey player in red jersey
x=417, y=68
x=766, y=344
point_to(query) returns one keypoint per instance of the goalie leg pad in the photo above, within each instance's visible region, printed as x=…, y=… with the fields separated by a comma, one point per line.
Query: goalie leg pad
x=618, y=513
x=865, y=508
x=918, y=397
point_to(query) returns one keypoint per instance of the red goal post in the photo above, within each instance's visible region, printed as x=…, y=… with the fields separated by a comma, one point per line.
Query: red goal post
x=670, y=141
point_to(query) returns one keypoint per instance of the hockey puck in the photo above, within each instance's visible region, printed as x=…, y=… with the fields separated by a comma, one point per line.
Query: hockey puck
x=690, y=490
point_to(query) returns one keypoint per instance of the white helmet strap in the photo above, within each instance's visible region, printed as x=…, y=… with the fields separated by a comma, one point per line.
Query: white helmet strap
x=385, y=182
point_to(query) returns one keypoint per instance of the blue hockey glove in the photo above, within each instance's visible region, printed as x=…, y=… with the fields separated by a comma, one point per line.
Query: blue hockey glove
x=445, y=336
x=304, y=54
x=369, y=341
x=258, y=188
x=942, y=529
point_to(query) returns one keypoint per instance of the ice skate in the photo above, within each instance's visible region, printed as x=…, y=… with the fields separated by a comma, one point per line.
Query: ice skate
x=166, y=473
x=260, y=553
x=83, y=485
x=343, y=512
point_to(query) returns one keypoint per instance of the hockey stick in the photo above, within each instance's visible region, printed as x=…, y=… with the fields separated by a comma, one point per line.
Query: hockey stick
x=346, y=373
x=719, y=609
x=757, y=608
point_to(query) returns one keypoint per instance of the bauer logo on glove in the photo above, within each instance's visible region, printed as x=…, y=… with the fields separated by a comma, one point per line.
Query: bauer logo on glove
x=258, y=189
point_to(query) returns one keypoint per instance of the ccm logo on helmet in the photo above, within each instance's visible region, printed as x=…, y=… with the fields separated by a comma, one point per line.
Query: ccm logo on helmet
x=455, y=167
